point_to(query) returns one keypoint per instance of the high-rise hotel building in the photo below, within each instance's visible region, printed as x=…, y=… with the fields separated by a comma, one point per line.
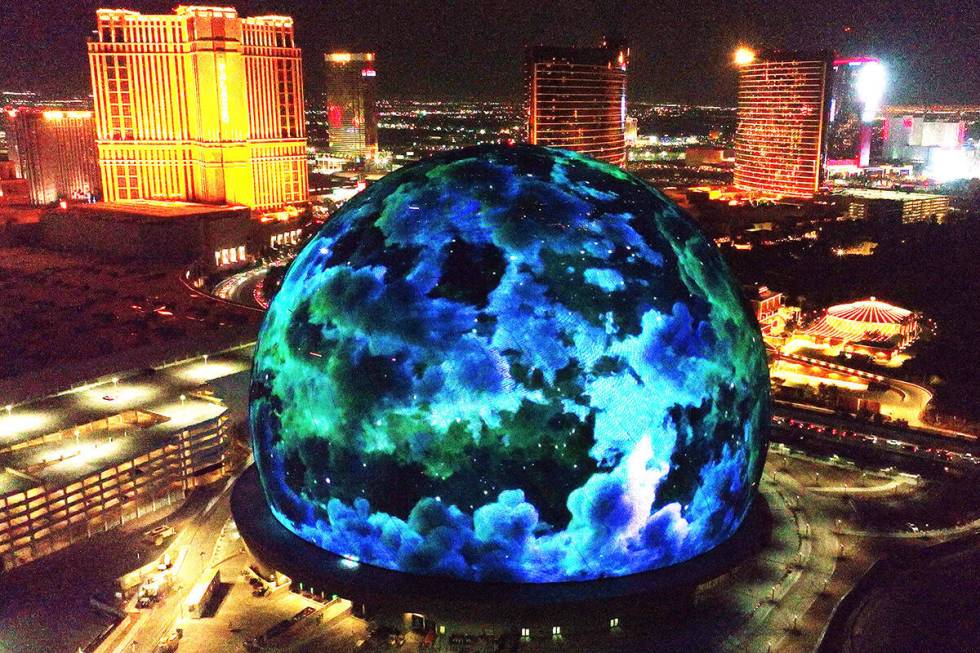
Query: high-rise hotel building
x=575, y=98
x=857, y=91
x=55, y=152
x=352, y=118
x=783, y=101
x=200, y=105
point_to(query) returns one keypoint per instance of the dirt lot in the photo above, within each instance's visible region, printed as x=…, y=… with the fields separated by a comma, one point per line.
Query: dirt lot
x=73, y=312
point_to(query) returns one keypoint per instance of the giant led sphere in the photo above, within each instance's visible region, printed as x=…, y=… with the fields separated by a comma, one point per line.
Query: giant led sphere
x=510, y=364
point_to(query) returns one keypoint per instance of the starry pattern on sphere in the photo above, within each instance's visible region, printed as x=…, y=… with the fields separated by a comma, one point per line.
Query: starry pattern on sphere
x=510, y=364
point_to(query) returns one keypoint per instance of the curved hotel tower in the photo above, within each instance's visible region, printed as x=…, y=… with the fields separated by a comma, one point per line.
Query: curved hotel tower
x=783, y=100
x=576, y=99
x=200, y=106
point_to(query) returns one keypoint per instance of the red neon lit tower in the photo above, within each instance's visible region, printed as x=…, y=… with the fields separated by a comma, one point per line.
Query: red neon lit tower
x=351, y=112
x=783, y=101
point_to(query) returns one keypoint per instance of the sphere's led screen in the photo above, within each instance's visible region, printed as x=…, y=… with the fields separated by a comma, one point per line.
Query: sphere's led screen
x=510, y=364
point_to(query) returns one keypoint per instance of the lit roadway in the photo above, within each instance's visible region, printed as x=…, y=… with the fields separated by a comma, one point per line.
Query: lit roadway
x=797, y=423
x=794, y=584
x=199, y=538
x=904, y=400
x=911, y=403
x=240, y=287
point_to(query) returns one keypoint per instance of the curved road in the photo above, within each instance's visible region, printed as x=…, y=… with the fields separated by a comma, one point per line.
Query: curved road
x=240, y=287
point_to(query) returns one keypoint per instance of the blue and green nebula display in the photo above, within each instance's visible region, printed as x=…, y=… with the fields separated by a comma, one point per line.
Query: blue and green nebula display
x=510, y=364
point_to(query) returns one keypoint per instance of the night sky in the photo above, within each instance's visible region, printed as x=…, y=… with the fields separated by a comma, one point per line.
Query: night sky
x=462, y=49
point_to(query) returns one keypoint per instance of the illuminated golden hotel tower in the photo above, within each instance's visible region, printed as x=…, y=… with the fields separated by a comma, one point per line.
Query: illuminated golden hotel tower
x=200, y=106
x=575, y=99
x=783, y=102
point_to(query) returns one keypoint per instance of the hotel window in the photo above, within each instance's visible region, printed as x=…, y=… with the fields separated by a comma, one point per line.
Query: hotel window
x=525, y=634
x=241, y=252
x=556, y=633
x=614, y=623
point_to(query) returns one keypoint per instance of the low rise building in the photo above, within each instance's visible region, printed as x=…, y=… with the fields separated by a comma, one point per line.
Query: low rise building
x=869, y=327
x=94, y=458
x=706, y=155
x=217, y=237
x=771, y=310
x=894, y=206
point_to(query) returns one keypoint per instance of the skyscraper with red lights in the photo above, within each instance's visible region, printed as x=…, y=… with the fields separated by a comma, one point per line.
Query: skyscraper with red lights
x=783, y=101
x=575, y=99
x=352, y=118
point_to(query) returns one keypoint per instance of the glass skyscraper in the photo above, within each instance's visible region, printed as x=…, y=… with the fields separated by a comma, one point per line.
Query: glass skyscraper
x=352, y=118
x=575, y=98
x=858, y=88
x=783, y=100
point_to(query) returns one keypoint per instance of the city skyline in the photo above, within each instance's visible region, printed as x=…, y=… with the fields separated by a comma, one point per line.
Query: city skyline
x=385, y=326
x=680, y=53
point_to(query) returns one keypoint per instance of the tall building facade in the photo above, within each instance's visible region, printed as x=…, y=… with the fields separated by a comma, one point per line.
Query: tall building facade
x=858, y=89
x=352, y=118
x=575, y=98
x=5, y=136
x=200, y=105
x=783, y=101
x=55, y=152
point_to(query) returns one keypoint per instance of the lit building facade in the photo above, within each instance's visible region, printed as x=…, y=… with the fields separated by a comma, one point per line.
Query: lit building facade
x=575, y=98
x=61, y=485
x=632, y=131
x=869, y=327
x=771, y=311
x=894, y=206
x=352, y=114
x=200, y=105
x=55, y=153
x=783, y=101
x=858, y=90
x=4, y=136
x=936, y=145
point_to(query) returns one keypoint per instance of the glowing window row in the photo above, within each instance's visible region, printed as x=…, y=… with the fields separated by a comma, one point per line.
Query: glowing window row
x=286, y=238
x=229, y=256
